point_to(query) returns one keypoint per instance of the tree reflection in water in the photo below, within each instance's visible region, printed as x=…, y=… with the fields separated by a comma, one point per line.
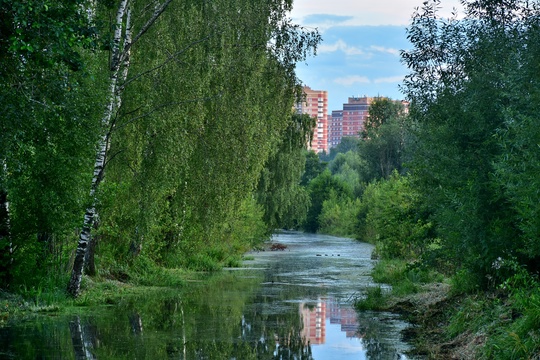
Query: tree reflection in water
x=273, y=313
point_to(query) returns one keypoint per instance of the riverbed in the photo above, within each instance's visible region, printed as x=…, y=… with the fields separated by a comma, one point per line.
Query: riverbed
x=294, y=303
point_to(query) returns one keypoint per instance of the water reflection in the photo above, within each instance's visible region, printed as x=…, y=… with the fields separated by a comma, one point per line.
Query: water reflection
x=287, y=305
x=83, y=338
x=329, y=310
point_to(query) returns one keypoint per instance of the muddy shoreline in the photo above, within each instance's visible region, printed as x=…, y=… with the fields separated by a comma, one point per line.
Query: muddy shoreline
x=429, y=314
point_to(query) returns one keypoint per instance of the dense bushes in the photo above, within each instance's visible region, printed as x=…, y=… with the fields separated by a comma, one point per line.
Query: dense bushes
x=391, y=221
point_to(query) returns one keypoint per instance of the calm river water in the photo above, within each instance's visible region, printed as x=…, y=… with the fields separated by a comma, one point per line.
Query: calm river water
x=291, y=304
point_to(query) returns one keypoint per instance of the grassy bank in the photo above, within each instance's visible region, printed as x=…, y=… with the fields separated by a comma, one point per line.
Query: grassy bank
x=450, y=323
x=110, y=286
x=99, y=290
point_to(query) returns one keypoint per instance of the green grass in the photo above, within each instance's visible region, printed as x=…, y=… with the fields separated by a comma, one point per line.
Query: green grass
x=403, y=277
x=375, y=299
x=516, y=334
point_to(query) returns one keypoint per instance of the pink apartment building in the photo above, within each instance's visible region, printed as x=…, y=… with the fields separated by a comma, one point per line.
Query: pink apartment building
x=316, y=105
x=349, y=121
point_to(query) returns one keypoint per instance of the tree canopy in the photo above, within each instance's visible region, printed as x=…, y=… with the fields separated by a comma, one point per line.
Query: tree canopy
x=156, y=119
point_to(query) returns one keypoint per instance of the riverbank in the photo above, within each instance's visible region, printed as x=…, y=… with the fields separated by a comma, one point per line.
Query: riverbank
x=261, y=310
x=430, y=313
x=96, y=291
x=451, y=324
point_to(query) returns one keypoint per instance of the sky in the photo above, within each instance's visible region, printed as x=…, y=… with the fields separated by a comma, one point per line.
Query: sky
x=360, y=51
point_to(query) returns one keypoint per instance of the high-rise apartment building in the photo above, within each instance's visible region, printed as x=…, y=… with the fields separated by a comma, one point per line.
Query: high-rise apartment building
x=335, y=128
x=349, y=121
x=316, y=105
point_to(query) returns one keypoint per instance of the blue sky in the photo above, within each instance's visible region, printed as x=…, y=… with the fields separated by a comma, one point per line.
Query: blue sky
x=360, y=52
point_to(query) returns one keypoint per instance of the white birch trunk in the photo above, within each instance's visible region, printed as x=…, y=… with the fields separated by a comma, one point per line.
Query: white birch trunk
x=74, y=285
x=90, y=247
x=4, y=207
x=120, y=62
x=82, y=339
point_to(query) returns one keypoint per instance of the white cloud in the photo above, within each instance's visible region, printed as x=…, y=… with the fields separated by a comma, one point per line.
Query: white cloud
x=342, y=46
x=391, y=79
x=351, y=80
x=385, y=50
x=380, y=12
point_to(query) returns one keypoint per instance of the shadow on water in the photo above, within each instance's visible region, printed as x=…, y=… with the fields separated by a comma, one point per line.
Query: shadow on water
x=292, y=304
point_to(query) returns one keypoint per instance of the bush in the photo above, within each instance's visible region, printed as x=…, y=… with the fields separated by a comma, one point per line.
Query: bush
x=405, y=278
x=338, y=215
x=389, y=218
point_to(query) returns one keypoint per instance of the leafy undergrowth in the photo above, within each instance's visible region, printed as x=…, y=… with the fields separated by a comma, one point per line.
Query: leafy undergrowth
x=451, y=324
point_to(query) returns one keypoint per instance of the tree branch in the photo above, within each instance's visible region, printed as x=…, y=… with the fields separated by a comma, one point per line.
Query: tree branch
x=144, y=29
x=169, y=59
x=159, y=107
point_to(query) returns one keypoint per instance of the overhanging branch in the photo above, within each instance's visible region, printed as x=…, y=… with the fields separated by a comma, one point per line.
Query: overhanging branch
x=162, y=106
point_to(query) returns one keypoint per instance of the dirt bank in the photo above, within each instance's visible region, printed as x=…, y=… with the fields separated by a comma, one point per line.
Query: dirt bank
x=429, y=312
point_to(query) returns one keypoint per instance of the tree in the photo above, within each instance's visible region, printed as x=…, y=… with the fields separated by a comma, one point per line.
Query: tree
x=383, y=138
x=352, y=169
x=320, y=190
x=389, y=216
x=188, y=129
x=122, y=42
x=47, y=128
x=346, y=144
x=285, y=202
x=464, y=93
x=314, y=166
x=381, y=111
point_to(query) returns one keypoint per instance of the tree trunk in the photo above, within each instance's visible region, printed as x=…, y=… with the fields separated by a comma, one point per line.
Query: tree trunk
x=82, y=339
x=74, y=285
x=89, y=259
x=6, y=247
x=120, y=61
x=135, y=321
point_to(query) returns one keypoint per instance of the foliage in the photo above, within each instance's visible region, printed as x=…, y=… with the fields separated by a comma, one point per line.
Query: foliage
x=320, y=190
x=346, y=144
x=339, y=209
x=404, y=277
x=389, y=219
x=191, y=149
x=470, y=102
x=285, y=202
x=202, y=111
x=400, y=278
x=384, y=138
x=351, y=168
x=314, y=166
x=44, y=34
x=518, y=339
x=374, y=299
x=338, y=215
x=49, y=85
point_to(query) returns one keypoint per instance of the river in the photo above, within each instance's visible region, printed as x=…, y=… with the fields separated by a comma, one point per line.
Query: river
x=289, y=304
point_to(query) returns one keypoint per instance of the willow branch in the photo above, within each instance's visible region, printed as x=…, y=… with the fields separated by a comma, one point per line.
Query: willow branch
x=168, y=60
x=161, y=106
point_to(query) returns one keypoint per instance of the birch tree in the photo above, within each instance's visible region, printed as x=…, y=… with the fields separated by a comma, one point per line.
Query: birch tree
x=190, y=125
x=119, y=68
x=199, y=129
